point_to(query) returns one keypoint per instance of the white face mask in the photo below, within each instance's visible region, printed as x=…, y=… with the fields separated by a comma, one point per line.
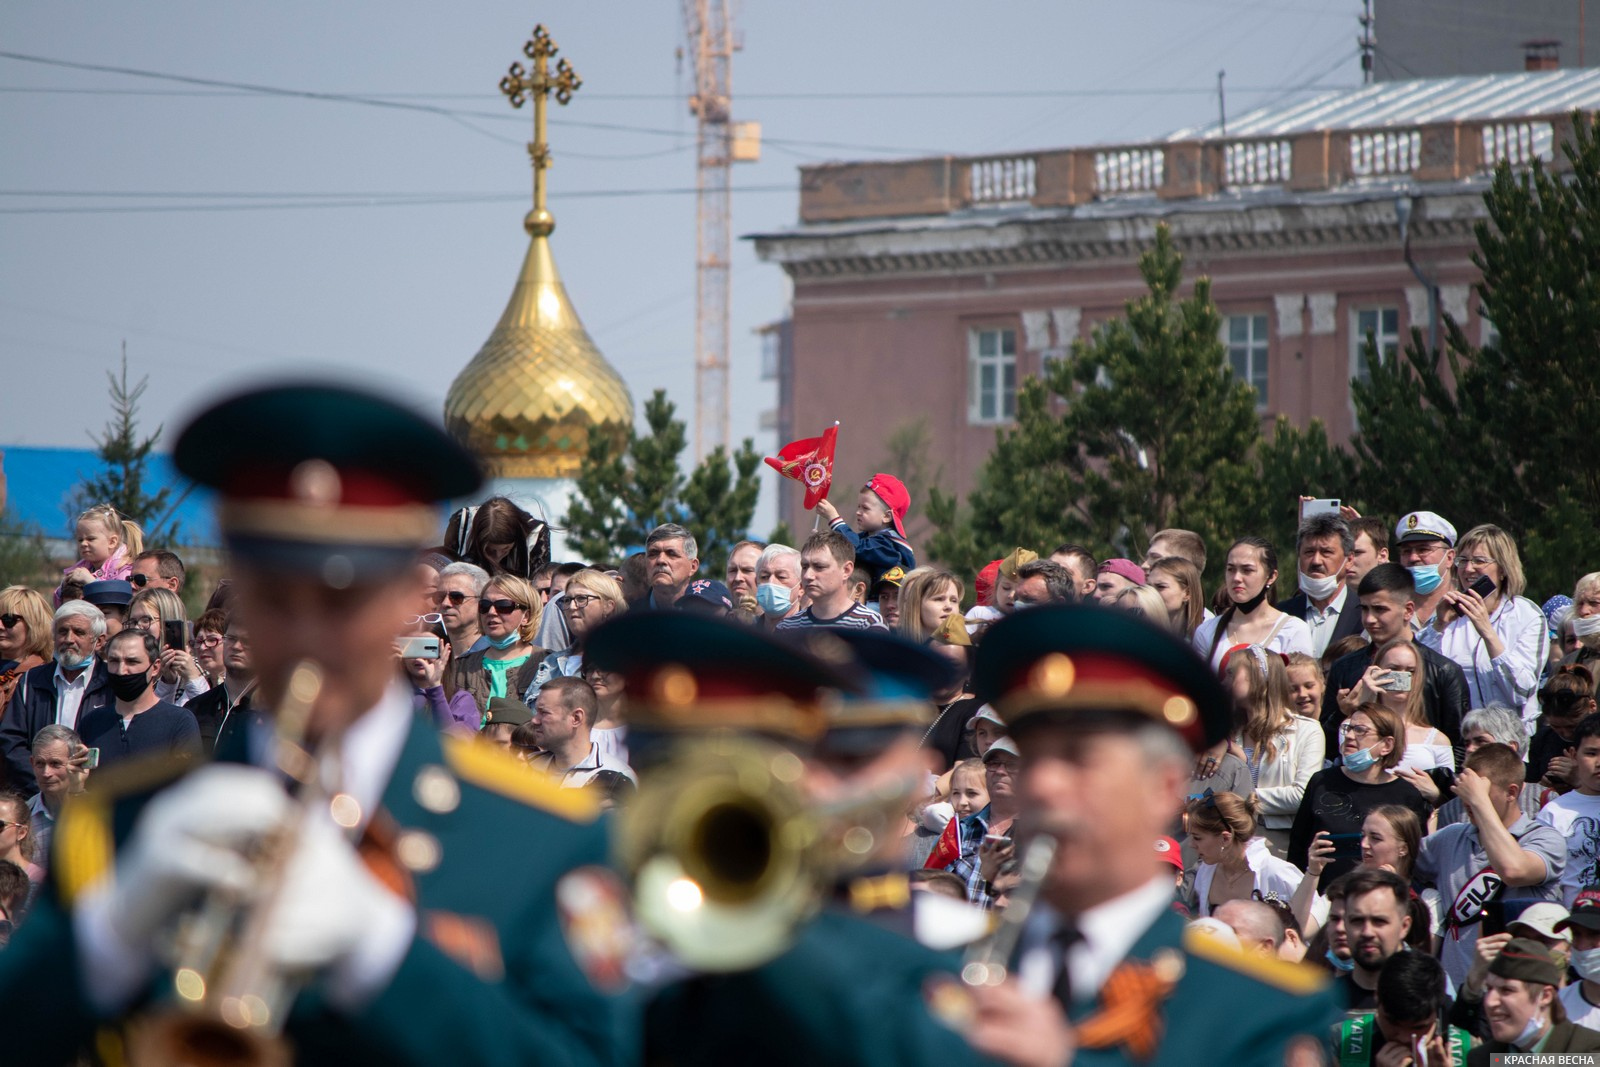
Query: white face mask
x=1586, y=627
x=1587, y=964
x=1318, y=588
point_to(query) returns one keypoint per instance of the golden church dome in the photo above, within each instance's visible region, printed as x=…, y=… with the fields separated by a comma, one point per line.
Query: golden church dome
x=538, y=389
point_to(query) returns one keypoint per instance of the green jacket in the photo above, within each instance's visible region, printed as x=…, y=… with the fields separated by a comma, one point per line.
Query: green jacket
x=1358, y=1040
x=512, y=996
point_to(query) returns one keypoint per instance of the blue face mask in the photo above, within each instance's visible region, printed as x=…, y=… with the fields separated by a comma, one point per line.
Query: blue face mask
x=505, y=642
x=1426, y=577
x=73, y=665
x=1344, y=966
x=774, y=599
x=1359, y=761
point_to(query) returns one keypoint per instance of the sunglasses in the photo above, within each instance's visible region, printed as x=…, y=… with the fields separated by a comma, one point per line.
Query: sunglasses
x=140, y=580
x=455, y=596
x=8, y=621
x=503, y=607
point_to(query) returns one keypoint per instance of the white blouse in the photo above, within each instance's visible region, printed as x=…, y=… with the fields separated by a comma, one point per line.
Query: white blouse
x=1290, y=635
x=1513, y=676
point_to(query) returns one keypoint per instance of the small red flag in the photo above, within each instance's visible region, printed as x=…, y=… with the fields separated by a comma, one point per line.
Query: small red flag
x=809, y=462
x=948, y=848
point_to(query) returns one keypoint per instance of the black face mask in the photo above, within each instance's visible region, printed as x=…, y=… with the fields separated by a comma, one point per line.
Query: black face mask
x=129, y=687
x=1253, y=603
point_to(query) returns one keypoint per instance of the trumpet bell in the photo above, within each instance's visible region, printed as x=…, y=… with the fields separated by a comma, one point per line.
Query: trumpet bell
x=725, y=861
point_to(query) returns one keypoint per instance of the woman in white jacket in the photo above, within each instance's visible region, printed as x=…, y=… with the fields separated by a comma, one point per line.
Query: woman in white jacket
x=1281, y=749
x=1235, y=864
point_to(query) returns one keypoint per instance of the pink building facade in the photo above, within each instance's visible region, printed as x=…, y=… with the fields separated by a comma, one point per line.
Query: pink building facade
x=927, y=290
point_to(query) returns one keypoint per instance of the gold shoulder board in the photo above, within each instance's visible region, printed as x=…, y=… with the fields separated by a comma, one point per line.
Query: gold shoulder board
x=1289, y=977
x=487, y=767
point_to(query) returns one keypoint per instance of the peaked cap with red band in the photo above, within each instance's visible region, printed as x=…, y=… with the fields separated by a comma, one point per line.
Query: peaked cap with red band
x=1061, y=663
x=687, y=671
x=324, y=479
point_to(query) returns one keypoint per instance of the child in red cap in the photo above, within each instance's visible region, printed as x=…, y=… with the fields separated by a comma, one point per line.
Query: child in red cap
x=880, y=534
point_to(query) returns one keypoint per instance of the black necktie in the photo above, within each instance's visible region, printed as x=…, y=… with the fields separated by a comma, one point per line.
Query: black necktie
x=1066, y=935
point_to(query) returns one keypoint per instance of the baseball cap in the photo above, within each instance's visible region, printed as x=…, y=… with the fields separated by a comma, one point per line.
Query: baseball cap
x=1585, y=911
x=1003, y=746
x=988, y=714
x=1543, y=919
x=1167, y=851
x=1424, y=526
x=1123, y=568
x=892, y=491
x=705, y=594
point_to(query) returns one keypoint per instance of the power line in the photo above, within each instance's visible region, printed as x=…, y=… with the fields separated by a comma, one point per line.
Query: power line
x=929, y=94
x=300, y=201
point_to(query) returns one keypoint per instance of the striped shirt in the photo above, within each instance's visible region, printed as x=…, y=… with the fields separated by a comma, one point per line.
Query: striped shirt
x=855, y=617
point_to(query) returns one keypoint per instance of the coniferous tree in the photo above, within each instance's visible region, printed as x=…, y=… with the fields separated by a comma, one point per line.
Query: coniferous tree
x=124, y=481
x=623, y=494
x=1502, y=433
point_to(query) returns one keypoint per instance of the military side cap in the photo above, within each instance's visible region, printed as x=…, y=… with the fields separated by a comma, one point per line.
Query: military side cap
x=324, y=479
x=1059, y=663
x=110, y=592
x=897, y=680
x=953, y=631
x=1526, y=960
x=1019, y=557
x=507, y=710
x=689, y=671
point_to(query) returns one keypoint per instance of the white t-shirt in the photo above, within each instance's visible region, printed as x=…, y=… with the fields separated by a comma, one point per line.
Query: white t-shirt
x=1290, y=635
x=1579, y=1010
x=1578, y=818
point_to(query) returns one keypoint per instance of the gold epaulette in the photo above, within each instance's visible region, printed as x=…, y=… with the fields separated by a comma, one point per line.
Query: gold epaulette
x=1296, y=978
x=880, y=892
x=83, y=847
x=487, y=766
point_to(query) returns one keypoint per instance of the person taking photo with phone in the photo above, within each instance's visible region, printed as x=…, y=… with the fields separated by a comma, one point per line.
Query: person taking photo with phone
x=1499, y=638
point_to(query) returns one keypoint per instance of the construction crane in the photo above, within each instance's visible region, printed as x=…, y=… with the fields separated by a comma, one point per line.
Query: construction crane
x=708, y=25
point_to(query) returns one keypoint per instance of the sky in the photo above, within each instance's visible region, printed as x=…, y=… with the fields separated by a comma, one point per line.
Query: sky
x=229, y=235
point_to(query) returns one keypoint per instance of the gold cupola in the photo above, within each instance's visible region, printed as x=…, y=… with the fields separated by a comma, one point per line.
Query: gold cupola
x=539, y=389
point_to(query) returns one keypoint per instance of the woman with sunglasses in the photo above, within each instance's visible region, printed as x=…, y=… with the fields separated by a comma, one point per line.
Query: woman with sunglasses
x=16, y=835
x=589, y=598
x=508, y=615
x=25, y=641
x=1338, y=799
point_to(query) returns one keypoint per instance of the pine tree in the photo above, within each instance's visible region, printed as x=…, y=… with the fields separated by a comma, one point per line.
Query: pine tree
x=1503, y=433
x=123, y=481
x=1142, y=426
x=624, y=494
x=1293, y=463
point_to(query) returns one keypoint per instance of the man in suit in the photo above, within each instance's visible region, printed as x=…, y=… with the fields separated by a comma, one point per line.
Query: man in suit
x=1323, y=546
x=391, y=948
x=1107, y=711
x=59, y=692
x=1521, y=1007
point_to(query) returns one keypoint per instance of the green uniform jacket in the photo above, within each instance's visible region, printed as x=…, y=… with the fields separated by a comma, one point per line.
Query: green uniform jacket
x=848, y=992
x=1563, y=1037
x=1228, y=1008
x=504, y=840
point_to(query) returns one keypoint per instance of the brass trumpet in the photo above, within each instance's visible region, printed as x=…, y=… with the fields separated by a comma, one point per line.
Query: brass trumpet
x=230, y=1002
x=727, y=856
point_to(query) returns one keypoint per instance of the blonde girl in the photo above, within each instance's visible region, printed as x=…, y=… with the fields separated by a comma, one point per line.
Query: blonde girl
x=107, y=544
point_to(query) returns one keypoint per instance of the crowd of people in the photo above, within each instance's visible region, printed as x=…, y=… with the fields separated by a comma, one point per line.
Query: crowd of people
x=1408, y=799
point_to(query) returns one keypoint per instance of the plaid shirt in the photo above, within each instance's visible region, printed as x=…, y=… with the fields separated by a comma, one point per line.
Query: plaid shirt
x=966, y=866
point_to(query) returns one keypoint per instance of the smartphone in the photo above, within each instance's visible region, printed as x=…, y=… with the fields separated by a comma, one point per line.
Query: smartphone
x=1484, y=586
x=175, y=634
x=1346, y=846
x=94, y=759
x=1395, y=681
x=424, y=646
x=997, y=840
x=1319, y=507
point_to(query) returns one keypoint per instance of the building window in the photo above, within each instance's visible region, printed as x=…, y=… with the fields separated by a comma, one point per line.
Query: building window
x=1246, y=338
x=992, y=394
x=1382, y=325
